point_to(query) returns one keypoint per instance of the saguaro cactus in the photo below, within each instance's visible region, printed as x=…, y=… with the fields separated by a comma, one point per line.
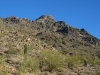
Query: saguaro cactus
x=85, y=63
x=25, y=49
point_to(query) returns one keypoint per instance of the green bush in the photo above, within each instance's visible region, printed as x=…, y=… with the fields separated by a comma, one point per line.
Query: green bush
x=12, y=51
x=73, y=61
x=52, y=60
x=29, y=65
x=1, y=59
x=98, y=54
x=98, y=73
x=93, y=62
x=3, y=68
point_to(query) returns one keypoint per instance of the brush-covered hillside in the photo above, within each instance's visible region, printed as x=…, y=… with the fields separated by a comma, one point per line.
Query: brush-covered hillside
x=46, y=47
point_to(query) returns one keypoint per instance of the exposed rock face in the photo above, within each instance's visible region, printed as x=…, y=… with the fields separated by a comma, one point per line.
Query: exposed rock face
x=64, y=30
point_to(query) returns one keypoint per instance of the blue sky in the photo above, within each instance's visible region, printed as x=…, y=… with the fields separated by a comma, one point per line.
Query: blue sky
x=77, y=13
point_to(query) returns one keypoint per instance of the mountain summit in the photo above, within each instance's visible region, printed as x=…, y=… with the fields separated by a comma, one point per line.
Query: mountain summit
x=46, y=17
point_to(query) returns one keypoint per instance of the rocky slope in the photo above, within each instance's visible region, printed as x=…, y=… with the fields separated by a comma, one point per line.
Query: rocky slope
x=42, y=34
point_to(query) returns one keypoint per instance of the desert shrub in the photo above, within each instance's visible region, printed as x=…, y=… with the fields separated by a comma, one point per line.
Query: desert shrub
x=98, y=54
x=52, y=60
x=98, y=73
x=12, y=51
x=3, y=68
x=1, y=59
x=65, y=51
x=73, y=61
x=90, y=60
x=29, y=65
x=93, y=62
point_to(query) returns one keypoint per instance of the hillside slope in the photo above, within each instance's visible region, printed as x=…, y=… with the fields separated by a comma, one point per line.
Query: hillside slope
x=24, y=42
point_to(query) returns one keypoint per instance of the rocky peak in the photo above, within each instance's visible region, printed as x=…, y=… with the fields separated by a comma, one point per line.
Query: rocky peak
x=45, y=19
x=12, y=19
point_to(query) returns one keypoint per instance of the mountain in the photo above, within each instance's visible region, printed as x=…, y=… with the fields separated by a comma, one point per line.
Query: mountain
x=25, y=43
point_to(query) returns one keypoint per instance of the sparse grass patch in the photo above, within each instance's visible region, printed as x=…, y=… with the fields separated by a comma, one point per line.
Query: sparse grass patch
x=3, y=70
